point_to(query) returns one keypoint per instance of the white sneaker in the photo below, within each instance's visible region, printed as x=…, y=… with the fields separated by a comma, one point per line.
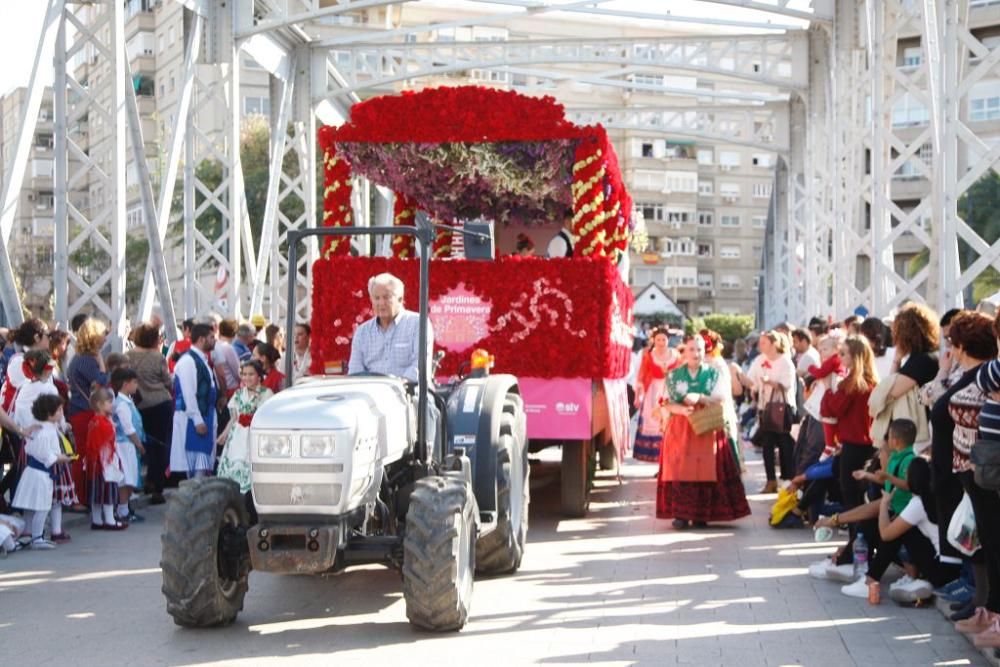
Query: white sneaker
x=42, y=544
x=843, y=572
x=902, y=581
x=859, y=589
x=911, y=590
x=817, y=570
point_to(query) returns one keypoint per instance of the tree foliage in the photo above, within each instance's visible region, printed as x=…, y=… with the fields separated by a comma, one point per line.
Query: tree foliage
x=730, y=327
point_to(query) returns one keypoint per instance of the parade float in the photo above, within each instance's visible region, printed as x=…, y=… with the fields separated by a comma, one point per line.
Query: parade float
x=562, y=326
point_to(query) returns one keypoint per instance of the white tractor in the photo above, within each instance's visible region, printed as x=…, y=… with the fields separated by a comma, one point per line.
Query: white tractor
x=342, y=474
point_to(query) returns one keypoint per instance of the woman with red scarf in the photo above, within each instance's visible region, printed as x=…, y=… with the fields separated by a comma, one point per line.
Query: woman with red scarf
x=657, y=361
x=234, y=463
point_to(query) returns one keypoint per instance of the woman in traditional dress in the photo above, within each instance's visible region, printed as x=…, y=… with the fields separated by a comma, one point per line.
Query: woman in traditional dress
x=657, y=361
x=234, y=463
x=699, y=479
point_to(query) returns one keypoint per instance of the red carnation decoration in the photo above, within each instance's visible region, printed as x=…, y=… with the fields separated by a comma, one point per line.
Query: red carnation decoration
x=245, y=420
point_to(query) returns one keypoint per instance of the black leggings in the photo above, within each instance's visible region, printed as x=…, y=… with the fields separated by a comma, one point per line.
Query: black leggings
x=786, y=447
x=922, y=555
x=852, y=492
x=986, y=504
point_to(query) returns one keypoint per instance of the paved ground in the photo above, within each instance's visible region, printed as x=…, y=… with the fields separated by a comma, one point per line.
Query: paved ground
x=617, y=588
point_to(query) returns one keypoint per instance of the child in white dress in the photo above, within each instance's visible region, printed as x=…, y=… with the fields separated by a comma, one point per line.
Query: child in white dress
x=36, y=489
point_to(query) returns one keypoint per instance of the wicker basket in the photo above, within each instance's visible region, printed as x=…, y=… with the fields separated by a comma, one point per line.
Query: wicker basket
x=707, y=419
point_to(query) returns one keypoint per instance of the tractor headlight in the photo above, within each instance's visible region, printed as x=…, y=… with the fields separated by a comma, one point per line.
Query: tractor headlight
x=318, y=446
x=274, y=445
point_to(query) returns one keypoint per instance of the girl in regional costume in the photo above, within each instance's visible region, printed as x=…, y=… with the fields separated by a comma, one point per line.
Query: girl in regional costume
x=699, y=479
x=36, y=492
x=656, y=362
x=103, y=463
x=234, y=463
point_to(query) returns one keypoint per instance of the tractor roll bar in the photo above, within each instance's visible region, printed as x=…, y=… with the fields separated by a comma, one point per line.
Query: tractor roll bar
x=423, y=232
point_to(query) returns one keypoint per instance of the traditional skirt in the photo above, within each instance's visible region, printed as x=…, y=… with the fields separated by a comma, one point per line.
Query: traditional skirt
x=64, y=490
x=649, y=434
x=101, y=491
x=721, y=500
x=34, y=491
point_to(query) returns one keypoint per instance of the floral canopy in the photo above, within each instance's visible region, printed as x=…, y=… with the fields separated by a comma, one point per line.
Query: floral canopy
x=466, y=152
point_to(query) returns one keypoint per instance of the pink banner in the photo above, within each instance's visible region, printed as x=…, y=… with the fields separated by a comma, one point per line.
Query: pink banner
x=558, y=408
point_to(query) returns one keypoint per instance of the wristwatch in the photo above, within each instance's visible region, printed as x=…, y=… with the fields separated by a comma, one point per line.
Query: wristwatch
x=835, y=519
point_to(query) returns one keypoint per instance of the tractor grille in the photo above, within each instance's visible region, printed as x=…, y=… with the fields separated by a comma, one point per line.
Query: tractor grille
x=294, y=495
x=321, y=468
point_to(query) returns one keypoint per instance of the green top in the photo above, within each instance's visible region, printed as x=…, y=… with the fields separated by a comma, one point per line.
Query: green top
x=680, y=383
x=899, y=463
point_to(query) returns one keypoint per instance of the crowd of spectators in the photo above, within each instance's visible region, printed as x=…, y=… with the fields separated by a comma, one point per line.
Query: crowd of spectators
x=86, y=428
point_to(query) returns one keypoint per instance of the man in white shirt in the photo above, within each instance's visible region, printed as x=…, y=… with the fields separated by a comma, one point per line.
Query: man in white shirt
x=301, y=360
x=192, y=447
x=805, y=354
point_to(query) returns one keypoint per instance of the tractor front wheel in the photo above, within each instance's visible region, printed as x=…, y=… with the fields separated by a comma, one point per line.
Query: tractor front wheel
x=205, y=561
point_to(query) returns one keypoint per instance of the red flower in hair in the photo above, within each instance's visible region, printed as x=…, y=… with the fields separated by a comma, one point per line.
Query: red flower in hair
x=709, y=344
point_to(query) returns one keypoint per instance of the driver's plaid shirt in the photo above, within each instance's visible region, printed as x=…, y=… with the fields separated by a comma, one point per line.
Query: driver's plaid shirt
x=392, y=351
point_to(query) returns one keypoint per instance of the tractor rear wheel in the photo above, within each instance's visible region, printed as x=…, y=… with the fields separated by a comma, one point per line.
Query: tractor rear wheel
x=439, y=554
x=500, y=551
x=204, y=557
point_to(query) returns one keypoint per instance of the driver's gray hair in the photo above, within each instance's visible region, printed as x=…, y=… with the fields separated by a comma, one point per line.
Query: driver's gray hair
x=388, y=281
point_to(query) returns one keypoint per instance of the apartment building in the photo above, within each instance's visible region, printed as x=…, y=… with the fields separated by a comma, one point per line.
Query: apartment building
x=32, y=233
x=704, y=205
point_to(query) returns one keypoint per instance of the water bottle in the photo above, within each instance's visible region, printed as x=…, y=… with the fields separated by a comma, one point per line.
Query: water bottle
x=860, y=556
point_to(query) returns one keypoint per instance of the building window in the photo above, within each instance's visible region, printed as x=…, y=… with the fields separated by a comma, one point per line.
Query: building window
x=729, y=252
x=705, y=218
x=729, y=220
x=729, y=281
x=761, y=190
x=173, y=35
x=678, y=217
x=913, y=56
x=706, y=280
x=704, y=249
x=706, y=188
x=159, y=43
x=681, y=181
x=756, y=282
x=729, y=160
x=647, y=150
x=758, y=251
x=256, y=105
x=761, y=160
x=730, y=190
x=651, y=181
x=759, y=221
x=679, y=247
x=646, y=80
x=706, y=156
x=651, y=212
x=985, y=108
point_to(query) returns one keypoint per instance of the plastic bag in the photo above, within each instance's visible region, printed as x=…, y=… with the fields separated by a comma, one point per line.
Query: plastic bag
x=787, y=500
x=962, y=533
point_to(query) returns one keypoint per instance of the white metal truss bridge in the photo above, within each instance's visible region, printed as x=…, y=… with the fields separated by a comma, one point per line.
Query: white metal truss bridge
x=822, y=100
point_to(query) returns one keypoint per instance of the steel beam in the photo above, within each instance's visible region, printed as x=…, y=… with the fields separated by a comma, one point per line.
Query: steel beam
x=157, y=262
x=177, y=143
x=774, y=62
x=19, y=162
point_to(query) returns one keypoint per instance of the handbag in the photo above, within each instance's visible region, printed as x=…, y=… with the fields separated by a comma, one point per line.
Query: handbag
x=775, y=417
x=985, y=456
x=707, y=419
